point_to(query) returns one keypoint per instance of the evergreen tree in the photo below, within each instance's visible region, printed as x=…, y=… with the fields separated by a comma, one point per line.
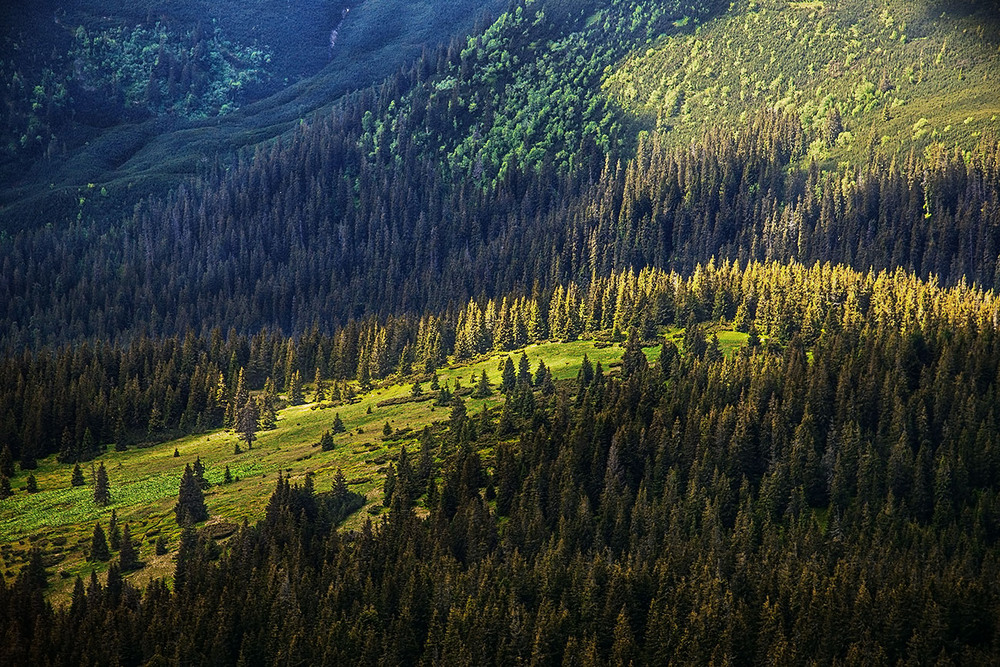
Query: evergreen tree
x=77, y=477
x=508, y=378
x=6, y=462
x=416, y=389
x=199, y=473
x=227, y=477
x=99, y=544
x=319, y=388
x=102, y=488
x=160, y=547
x=5, y=490
x=246, y=422
x=190, y=507
x=326, y=441
x=634, y=361
x=524, y=369
x=32, y=484
x=387, y=430
x=338, y=424
x=128, y=558
x=483, y=388
x=295, y=395
x=114, y=532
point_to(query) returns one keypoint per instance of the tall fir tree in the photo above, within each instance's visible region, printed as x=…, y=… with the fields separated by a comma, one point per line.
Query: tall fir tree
x=190, y=507
x=99, y=544
x=102, y=488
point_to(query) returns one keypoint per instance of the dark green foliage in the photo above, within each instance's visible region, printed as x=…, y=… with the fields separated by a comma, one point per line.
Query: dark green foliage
x=99, y=545
x=227, y=476
x=295, y=395
x=338, y=424
x=128, y=558
x=483, y=388
x=246, y=422
x=6, y=462
x=190, y=507
x=114, y=532
x=508, y=377
x=387, y=430
x=160, y=547
x=326, y=441
x=102, y=488
x=31, y=486
x=5, y=490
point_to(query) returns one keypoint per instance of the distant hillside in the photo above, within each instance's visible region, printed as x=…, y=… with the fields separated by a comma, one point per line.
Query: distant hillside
x=113, y=137
x=893, y=75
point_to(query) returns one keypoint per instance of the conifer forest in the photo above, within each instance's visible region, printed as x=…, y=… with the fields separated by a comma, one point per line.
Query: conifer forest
x=548, y=332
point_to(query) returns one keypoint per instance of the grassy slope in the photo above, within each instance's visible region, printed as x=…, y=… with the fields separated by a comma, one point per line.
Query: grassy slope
x=904, y=75
x=144, y=482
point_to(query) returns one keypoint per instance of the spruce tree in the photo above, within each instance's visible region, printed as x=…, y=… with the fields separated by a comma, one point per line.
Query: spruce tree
x=127, y=557
x=246, y=422
x=326, y=441
x=114, y=532
x=5, y=490
x=295, y=395
x=508, y=379
x=338, y=423
x=190, y=507
x=483, y=389
x=320, y=388
x=199, y=473
x=99, y=544
x=102, y=489
x=32, y=484
x=77, y=478
x=6, y=462
x=387, y=430
x=227, y=477
x=524, y=369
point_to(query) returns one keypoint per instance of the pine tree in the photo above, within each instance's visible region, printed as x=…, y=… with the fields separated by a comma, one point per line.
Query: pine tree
x=268, y=418
x=483, y=388
x=102, y=489
x=199, y=474
x=416, y=389
x=99, y=545
x=326, y=441
x=524, y=369
x=295, y=395
x=227, y=477
x=246, y=422
x=32, y=484
x=634, y=361
x=5, y=490
x=190, y=507
x=320, y=387
x=338, y=424
x=387, y=430
x=127, y=558
x=508, y=379
x=6, y=462
x=114, y=532
x=77, y=478
x=160, y=547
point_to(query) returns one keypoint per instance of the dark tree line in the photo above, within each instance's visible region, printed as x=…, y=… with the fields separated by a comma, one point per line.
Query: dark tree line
x=774, y=506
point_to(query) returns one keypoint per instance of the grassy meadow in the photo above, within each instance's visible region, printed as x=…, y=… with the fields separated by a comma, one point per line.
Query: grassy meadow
x=60, y=518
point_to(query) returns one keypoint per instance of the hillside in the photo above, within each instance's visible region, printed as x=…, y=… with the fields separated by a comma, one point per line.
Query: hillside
x=888, y=77
x=279, y=69
x=604, y=332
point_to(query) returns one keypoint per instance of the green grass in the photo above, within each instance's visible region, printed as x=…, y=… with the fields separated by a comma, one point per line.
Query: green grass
x=144, y=482
x=903, y=75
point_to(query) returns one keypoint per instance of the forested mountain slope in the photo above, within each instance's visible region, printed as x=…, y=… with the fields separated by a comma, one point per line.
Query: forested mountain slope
x=816, y=180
